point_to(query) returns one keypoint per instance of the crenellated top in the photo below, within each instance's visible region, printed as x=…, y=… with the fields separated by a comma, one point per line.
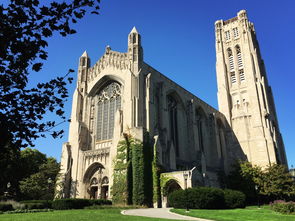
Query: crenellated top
x=112, y=59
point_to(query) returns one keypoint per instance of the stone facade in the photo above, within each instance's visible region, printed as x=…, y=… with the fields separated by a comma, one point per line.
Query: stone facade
x=244, y=96
x=121, y=94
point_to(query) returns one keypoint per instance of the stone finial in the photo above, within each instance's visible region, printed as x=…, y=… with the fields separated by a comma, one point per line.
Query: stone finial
x=242, y=14
x=134, y=30
x=108, y=49
x=84, y=54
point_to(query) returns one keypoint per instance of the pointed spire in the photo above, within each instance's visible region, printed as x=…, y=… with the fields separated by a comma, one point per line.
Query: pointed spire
x=134, y=30
x=84, y=54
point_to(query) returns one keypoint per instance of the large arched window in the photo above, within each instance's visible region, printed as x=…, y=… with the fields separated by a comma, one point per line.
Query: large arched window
x=109, y=101
x=201, y=125
x=172, y=111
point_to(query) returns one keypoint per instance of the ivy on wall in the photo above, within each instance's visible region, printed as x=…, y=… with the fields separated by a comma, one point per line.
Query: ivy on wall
x=133, y=172
x=120, y=185
x=156, y=169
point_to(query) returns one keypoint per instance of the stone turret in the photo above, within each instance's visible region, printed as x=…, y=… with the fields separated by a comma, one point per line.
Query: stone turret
x=135, y=50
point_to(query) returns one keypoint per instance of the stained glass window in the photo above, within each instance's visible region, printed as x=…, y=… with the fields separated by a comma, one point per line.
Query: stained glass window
x=109, y=101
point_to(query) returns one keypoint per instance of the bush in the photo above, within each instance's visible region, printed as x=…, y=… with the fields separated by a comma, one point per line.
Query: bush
x=101, y=202
x=283, y=207
x=5, y=207
x=63, y=204
x=28, y=211
x=234, y=199
x=197, y=198
x=37, y=204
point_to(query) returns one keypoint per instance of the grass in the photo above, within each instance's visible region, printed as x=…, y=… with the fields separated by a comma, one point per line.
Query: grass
x=76, y=215
x=247, y=214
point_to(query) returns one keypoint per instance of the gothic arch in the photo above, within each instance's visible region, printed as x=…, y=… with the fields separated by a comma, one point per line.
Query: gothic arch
x=170, y=186
x=104, y=81
x=201, y=122
x=176, y=118
x=91, y=170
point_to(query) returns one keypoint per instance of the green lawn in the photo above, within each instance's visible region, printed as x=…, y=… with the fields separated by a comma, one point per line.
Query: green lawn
x=247, y=214
x=75, y=215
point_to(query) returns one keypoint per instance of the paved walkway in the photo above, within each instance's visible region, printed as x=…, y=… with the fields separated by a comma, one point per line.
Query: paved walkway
x=158, y=213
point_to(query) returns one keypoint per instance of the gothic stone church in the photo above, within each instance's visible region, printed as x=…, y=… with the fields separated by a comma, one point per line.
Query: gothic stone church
x=121, y=94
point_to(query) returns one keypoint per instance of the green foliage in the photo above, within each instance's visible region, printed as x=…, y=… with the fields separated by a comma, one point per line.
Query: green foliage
x=197, y=198
x=121, y=164
x=283, y=207
x=133, y=172
x=64, y=204
x=36, y=186
x=148, y=169
x=5, y=207
x=156, y=169
x=234, y=199
x=138, y=197
x=164, y=179
x=37, y=204
x=26, y=26
x=274, y=181
x=240, y=180
x=28, y=211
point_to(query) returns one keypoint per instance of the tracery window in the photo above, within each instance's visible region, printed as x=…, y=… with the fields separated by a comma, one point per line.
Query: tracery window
x=172, y=111
x=109, y=101
x=239, y=56
x=230, y=59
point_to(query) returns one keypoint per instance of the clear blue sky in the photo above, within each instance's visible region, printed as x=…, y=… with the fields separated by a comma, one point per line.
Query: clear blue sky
x=178, y=40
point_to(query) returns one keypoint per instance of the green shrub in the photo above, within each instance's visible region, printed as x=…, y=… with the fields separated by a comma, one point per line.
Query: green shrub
x=283, y=207
x=234, y=199
x=37, y=204
x=5, y=207
x=28, y=211
x=64, y=204
x=100, y=202
x=197, y=198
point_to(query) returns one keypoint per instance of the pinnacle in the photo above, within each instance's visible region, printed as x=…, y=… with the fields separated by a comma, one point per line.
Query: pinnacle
x=134, y=30
x=84, y=54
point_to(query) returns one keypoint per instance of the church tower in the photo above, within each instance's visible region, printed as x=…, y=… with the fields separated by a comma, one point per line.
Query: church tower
x=244, y=96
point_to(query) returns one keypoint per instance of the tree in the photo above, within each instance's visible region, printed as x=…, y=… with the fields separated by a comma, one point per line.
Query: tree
x=273, y=181
x=25, y=27
x=41, y=184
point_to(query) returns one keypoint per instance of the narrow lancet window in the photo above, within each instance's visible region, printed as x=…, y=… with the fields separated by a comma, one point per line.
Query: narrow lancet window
x=230, y=59
x=239, y=57
x=172, y=110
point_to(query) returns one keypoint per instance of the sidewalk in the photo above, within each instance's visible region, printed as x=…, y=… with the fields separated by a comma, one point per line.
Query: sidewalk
x=159, y=213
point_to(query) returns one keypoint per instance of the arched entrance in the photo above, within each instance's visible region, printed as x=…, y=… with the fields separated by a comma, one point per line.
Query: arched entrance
x=170, y=186
x=96, y=182
x=105, y=188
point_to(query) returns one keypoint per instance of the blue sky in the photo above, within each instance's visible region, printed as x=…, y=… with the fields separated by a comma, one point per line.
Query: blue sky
x=178, y=40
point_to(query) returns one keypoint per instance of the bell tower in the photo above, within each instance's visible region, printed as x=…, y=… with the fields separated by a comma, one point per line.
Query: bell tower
x=244, y=96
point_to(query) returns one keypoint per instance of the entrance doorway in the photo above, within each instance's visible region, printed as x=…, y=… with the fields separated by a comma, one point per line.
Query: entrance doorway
x=93, y=192
x=104, y=192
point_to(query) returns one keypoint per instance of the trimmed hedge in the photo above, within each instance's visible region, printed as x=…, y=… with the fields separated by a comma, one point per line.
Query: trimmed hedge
x=206, y=198
x=234, y=199
x=37, y=204
x=283, y=207
x=5, y=207
x=65, y=204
